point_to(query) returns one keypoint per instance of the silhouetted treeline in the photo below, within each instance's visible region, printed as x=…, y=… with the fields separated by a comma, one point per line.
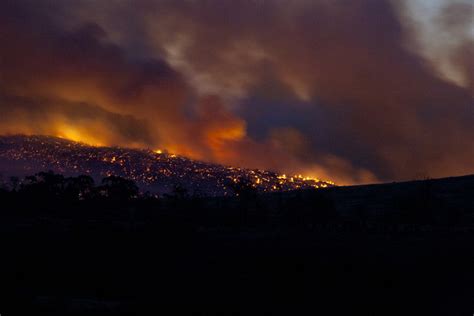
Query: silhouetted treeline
x=51, y=194
x=51, y=186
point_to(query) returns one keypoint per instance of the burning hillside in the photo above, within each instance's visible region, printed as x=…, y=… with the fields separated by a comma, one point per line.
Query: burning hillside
x=153, y=170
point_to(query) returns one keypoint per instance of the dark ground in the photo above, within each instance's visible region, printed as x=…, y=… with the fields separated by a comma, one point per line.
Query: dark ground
x=178, y=257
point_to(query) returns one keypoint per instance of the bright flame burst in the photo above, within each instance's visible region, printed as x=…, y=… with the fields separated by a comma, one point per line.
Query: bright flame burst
x=74, y=134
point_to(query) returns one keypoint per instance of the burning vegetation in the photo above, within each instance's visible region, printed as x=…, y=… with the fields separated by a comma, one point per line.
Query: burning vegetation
x=157, y=171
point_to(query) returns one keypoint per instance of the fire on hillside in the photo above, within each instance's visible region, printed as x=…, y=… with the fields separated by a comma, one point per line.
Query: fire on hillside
x=157, y=171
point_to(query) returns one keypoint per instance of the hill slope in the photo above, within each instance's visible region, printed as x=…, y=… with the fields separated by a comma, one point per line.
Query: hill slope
x=152, y=171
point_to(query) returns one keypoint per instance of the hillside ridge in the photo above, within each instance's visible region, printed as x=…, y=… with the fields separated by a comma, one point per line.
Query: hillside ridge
x=154, y=171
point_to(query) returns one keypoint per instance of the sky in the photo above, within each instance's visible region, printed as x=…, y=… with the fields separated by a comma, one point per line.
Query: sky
x=351, y=91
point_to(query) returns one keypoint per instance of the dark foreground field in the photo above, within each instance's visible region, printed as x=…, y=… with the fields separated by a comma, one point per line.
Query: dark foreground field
x=194, y=256
x=111, y=273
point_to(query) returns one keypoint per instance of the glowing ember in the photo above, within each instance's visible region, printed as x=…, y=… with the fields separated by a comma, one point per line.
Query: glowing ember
x=30, y=154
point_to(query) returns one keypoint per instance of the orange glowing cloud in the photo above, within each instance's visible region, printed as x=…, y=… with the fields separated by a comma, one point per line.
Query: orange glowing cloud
x=325, y=89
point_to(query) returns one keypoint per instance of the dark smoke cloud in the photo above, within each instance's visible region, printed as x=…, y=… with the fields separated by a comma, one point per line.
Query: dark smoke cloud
x=326, y=88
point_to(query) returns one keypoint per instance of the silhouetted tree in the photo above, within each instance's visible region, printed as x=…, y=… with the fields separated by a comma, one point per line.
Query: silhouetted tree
x=81, y=187
x=14, y=183
x=44, y=185
x=118, y=188
x=243, y=187
x=179, y=191
x=246, y=192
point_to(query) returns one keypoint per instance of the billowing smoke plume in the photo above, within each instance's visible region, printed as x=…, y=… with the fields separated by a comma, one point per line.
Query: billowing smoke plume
x=343, y=90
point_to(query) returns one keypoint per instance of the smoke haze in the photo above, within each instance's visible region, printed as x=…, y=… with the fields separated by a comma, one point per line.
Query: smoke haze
x=351, y=91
